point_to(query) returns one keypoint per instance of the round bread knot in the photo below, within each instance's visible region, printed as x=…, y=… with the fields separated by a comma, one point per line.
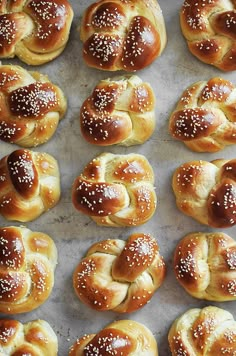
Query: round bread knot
x=210, y=331
x=205, y=265
x=31, y=106
x=116, y=190
x=209, y=27
x=28, y=260
x=29, y=184
x=33, y=338
x=206, y=191
x=118, y=275
x=122, y=35
x=122, y=337
x=205, y=116
x=35, y=31
x=119, y=111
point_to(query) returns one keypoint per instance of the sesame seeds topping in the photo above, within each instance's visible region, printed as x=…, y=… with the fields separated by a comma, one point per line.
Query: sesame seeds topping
x=49, y=16
x=22, y=169
x=103, y=98
x=7, y=30
x=186, y=266
x=138, y=39
x=231, y=259
x=141, y=251
x=8, y=77
x=11, y=252
x=191, y=123
x=217, y=92
x=107, y=16
x=8, y=131
x=104, y=47
x=230, y=287
x=6, y=333
x=108, y=342
x=33, y=100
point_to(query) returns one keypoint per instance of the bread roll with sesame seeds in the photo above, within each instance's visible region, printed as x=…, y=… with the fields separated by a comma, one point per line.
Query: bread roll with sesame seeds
x=27, y=263
x=116, y=190
x=35, y=31
x=209, y=27
x=206, y=191
x=123, y=337
x=205, y=116
x=31, y=106
x=118, y=275
x=119, y=111
x=35, y=338
x=205, y=265
x=122, y=35
x=29, y=185
x=210, y=331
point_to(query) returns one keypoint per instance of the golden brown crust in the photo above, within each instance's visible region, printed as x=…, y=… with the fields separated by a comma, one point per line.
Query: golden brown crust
x=31, y=106
x=116, y=190
x=123, y=337
x=33, y=339
x=120, y=276
x=205, y=116
x=119, y=111
x=209, y=331
x=122, y=35
x=205, y=265
x=28, y=260
x=206, y=191
x=35, y=31
x=209, y=28
x=29, y=184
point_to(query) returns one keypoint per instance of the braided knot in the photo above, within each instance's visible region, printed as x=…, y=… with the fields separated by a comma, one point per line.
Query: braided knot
x=116, y=190
x=29, y=184
x=28, y=260
x=30, y=106
x=122, y=35
x=205, y=117
x=205, y=265
x=206, y=191
x=35, y=31
x=209, y=27
x=118, y=275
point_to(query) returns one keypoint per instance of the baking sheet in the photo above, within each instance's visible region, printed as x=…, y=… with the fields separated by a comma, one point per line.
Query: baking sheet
x=73, y=232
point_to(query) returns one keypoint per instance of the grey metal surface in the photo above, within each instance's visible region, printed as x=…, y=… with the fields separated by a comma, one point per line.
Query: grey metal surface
x=73, y=232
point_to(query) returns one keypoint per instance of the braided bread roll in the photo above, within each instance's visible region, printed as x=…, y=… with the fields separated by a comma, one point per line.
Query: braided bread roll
x=205, y=116
x=119, y=111
x=118, y=275
x=205, y=265
x=116, y=190
x=123, y=337
x=210, y=30
x=209, y=331
x=29, y=184
x=206, y=191
x=31, y=106
x=122, y=35
x=35, y=31
x=28, y=260
x=35, y=338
